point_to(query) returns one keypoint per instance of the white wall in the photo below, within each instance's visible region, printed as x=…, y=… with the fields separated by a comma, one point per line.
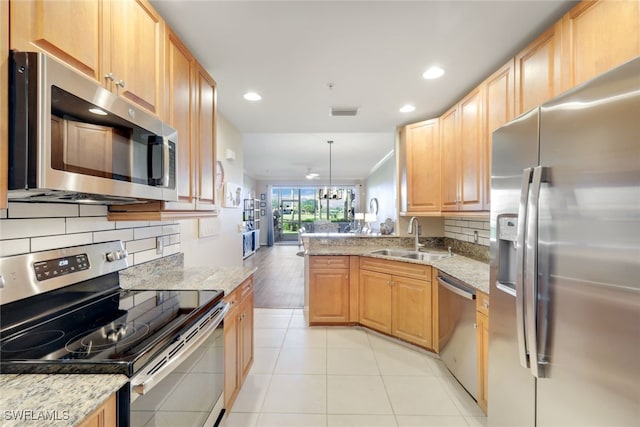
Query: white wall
x=225, y=247
x=381, y=184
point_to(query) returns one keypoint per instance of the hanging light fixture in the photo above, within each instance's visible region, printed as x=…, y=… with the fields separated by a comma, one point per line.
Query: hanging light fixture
x=330, y=192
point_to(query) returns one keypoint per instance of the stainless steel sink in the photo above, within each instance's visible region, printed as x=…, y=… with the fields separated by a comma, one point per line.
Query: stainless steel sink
x=422, y=256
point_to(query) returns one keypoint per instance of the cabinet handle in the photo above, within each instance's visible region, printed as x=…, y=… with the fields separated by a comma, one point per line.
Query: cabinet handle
x=110, y=76
x=486, y=305
x=120, y=83
x=346, y=277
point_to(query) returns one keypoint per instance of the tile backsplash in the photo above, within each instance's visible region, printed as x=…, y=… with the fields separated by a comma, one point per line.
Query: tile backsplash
x=33, y=227
x=467, y=230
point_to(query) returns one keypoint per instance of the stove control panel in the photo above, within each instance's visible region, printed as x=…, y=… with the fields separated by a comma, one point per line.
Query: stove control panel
x=60, y=266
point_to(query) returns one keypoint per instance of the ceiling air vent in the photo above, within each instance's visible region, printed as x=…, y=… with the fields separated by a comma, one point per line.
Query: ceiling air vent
x=343, y=112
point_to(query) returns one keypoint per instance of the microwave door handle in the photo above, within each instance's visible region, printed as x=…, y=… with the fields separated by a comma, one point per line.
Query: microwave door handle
x=156, y=179
x=166, y=157
x=520, y=264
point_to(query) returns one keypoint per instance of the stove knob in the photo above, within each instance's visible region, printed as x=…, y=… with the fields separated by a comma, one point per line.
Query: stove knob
x=122, y=254
x=111, y=256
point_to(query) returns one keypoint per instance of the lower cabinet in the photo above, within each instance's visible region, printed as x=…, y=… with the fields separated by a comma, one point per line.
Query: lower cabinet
x=395, y=298
x=238, y=340
x=104, y=416
x=329, y=287
x=482, y=322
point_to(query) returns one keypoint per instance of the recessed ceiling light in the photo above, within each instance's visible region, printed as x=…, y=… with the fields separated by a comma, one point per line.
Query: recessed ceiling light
x=252, y=96
x=407, y=108
x=97, y=111
x=433, y=73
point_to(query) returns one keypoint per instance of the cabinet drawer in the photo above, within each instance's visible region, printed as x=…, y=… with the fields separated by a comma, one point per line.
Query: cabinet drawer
x=329, y=261
x=482, y=303
x=397, y=268
x=245, y=289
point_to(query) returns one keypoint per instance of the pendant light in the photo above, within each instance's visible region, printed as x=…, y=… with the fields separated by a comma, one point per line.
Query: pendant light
x=330, y=192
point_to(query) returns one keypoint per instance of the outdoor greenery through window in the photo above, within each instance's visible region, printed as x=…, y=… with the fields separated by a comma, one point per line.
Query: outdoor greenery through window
x=295, y=207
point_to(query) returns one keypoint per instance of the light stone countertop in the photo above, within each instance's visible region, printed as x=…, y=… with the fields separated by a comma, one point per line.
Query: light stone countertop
x=472, y=272
x=53, y=400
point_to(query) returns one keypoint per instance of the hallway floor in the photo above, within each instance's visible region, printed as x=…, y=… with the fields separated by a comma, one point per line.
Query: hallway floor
x=334, y=377
x=279, y=281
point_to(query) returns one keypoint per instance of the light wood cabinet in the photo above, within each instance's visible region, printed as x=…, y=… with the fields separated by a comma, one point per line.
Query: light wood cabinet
x=116, y=43
x=395, y=298
x=537, y=71
x=422, y=156
x=463, y=152
x=104, y=416
x=238, y=340
x=499, y=108
x=191, y=110
x=4, y=101
x=597, y=36
x=329, y=290
x=482, y=333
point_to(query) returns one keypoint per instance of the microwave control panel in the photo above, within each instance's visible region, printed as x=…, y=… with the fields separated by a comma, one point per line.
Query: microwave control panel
x=60, y=266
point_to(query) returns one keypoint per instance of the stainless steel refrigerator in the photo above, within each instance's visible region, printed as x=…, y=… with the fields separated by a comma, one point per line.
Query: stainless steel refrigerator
x=564, y=333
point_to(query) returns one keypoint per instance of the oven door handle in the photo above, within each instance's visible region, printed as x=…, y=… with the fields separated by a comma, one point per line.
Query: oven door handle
x=170, y=358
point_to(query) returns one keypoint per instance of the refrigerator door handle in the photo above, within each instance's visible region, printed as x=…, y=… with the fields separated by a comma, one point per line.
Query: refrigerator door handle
x=520, y=255
x=531, y=276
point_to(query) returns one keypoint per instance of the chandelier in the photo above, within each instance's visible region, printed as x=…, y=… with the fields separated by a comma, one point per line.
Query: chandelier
x=330, y=192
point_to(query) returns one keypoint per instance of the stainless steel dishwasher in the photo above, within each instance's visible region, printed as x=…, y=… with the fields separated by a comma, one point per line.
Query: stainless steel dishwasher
x=457, y=330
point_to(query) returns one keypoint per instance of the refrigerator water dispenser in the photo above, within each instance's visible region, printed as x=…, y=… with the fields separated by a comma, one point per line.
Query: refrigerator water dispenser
x=507, y=232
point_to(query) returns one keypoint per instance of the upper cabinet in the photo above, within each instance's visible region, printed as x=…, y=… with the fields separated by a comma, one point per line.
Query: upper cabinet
x=538, y=70
x=422, y=155
x=499, y=108
x=4, y=102
x=598, y=36
x=117, y=43
x=205, y=138
x=462, y=134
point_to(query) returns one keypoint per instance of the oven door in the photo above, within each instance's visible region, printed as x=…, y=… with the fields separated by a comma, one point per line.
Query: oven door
x=183, y=385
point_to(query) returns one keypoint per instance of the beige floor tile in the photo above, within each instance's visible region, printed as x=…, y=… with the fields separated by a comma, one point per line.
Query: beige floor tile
x=419, y=396
x=269, y=337
x=271, y=321
x=438, y=367
x=252, y=393
x=476, y=421
x=305, y=394
x=430, y=421
x=357, y=395
x=362, y=421
x=302, y=360
x=399, y=360
x=292, y=420
x=272, y=311
x=351, y=361
x=347, y=337
x=316, y=337
x=239, y=419
x=299, y=322
x=264, y=360
x=463, y=401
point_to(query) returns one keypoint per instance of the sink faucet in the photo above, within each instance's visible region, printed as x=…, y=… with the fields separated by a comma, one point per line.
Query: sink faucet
x=417, y=232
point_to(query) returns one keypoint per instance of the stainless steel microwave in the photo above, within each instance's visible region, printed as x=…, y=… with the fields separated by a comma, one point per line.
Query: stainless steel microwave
x=71, y=140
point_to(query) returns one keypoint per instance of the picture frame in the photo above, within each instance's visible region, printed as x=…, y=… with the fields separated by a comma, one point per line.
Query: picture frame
x=263, y=204
x=263, y=196
x=232, y=195
x=262, y=212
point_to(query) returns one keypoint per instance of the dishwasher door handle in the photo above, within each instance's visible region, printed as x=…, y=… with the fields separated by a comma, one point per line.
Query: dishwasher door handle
x=465, y=293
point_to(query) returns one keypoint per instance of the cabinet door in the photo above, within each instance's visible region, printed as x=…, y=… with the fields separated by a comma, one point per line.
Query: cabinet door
x=471, y=152
x=136, y=52
x=246, y=334
x=411, y=308
x=104, y=416
x=328, y=296
x=231, y=346
x=450, y=167
x=538, y=70
x=498, y=110
x=179, y=113
x=482, y=333
x=205, y=135
x=598, y=36
x=375, y=300
x=68, y=30
x=423, y=167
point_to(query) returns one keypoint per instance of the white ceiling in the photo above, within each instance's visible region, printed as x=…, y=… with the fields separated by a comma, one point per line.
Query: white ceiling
x=372, y=52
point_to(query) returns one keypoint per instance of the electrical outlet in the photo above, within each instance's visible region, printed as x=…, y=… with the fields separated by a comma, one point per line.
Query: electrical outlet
x=159, y=245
